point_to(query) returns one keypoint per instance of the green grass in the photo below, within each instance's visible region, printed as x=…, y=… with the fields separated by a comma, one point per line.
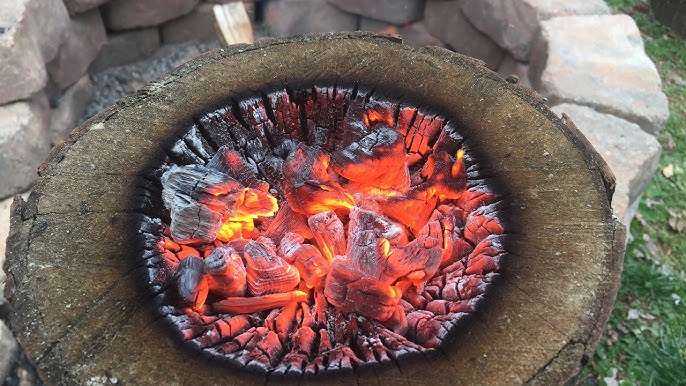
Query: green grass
x=645, y=341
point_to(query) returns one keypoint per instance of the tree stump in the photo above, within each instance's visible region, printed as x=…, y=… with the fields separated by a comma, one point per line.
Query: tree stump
x=81, y=316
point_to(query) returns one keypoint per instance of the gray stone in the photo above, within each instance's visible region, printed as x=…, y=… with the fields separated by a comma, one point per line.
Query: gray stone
x=20, y=75
x=444, y=20
x=8, y=351
x=114, y=83
x=392, y=11
x=297, y=17
x=128, y=14
x=126, y=47
x=546, y=9
x=513, y=23
x=196, y=25
x=84, y=39
x=631, y=154
x=612, y=74
x=71, y=106
x=414, y=34
x=48, y=22
x=80, y=6
x=30, y=33
x=23, y=143
x=373, y=25
x=502, y=22
x=510, y=66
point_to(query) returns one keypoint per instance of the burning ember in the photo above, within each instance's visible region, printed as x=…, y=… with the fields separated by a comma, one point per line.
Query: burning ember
x=319, y=230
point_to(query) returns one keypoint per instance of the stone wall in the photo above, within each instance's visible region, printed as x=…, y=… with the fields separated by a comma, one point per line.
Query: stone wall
x=54, y=55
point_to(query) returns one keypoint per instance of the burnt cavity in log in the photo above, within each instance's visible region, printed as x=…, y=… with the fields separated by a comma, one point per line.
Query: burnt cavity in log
x=319, y=230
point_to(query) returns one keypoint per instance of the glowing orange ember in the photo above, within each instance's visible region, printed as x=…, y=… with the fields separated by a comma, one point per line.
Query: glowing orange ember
x=330, y=228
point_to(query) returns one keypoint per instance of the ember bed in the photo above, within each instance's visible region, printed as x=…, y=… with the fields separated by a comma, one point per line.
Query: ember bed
x=329, y=208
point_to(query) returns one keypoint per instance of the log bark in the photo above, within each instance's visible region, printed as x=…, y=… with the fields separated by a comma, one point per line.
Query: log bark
x=80, y=314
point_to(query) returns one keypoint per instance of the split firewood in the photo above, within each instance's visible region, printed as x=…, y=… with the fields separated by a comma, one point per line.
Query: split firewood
x=233, y=23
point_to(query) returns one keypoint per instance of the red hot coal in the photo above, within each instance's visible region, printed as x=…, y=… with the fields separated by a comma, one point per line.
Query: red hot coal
x=318, y=230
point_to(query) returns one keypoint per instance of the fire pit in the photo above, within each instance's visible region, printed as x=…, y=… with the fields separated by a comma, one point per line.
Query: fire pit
x=335, y=205
x=319, y=229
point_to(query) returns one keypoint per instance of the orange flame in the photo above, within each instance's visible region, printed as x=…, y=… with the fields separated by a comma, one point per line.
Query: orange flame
x=373, y=117
x=458, y=166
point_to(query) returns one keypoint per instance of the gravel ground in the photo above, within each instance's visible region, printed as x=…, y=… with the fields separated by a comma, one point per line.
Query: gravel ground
x=114, y=83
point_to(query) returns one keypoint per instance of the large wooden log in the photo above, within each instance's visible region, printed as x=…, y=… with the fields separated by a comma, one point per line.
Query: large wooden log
x=79, y=314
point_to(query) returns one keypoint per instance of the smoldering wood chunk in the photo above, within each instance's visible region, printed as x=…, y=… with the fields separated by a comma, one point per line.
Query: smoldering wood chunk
x=382, y=226
x=286, y=115
x=190, y=282
x=369, y=240
x=194, y=223
x=266, y=272
x=197, y=143
x=406, y=118
x=329, y=232
x=376, y=161
x=286, y=320
x=349, y=291
x=412, y=262
x=222, y=330
x=256, y=116
x=340, y=275
x=184, y=151
x=308, y=185
x=443, y=231
x=473, y=198
x=231, y=163
x=411, y=211
x=442, y=175
x=379, y=113
x=353, y=128
x=248, y=305
x=422, y=328
x=325, y=109
x=287, y=220
x=255, y=203
x=484, y=221
x=471, y=286
x=422, y=135
x=215, y=126
x=449, y=140
x=191, y=324
x=226, y=272
x=198, y=198
x=485, y=256
x=306, y=258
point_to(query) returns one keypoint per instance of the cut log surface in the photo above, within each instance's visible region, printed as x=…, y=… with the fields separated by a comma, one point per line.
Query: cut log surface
x=81, y=315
